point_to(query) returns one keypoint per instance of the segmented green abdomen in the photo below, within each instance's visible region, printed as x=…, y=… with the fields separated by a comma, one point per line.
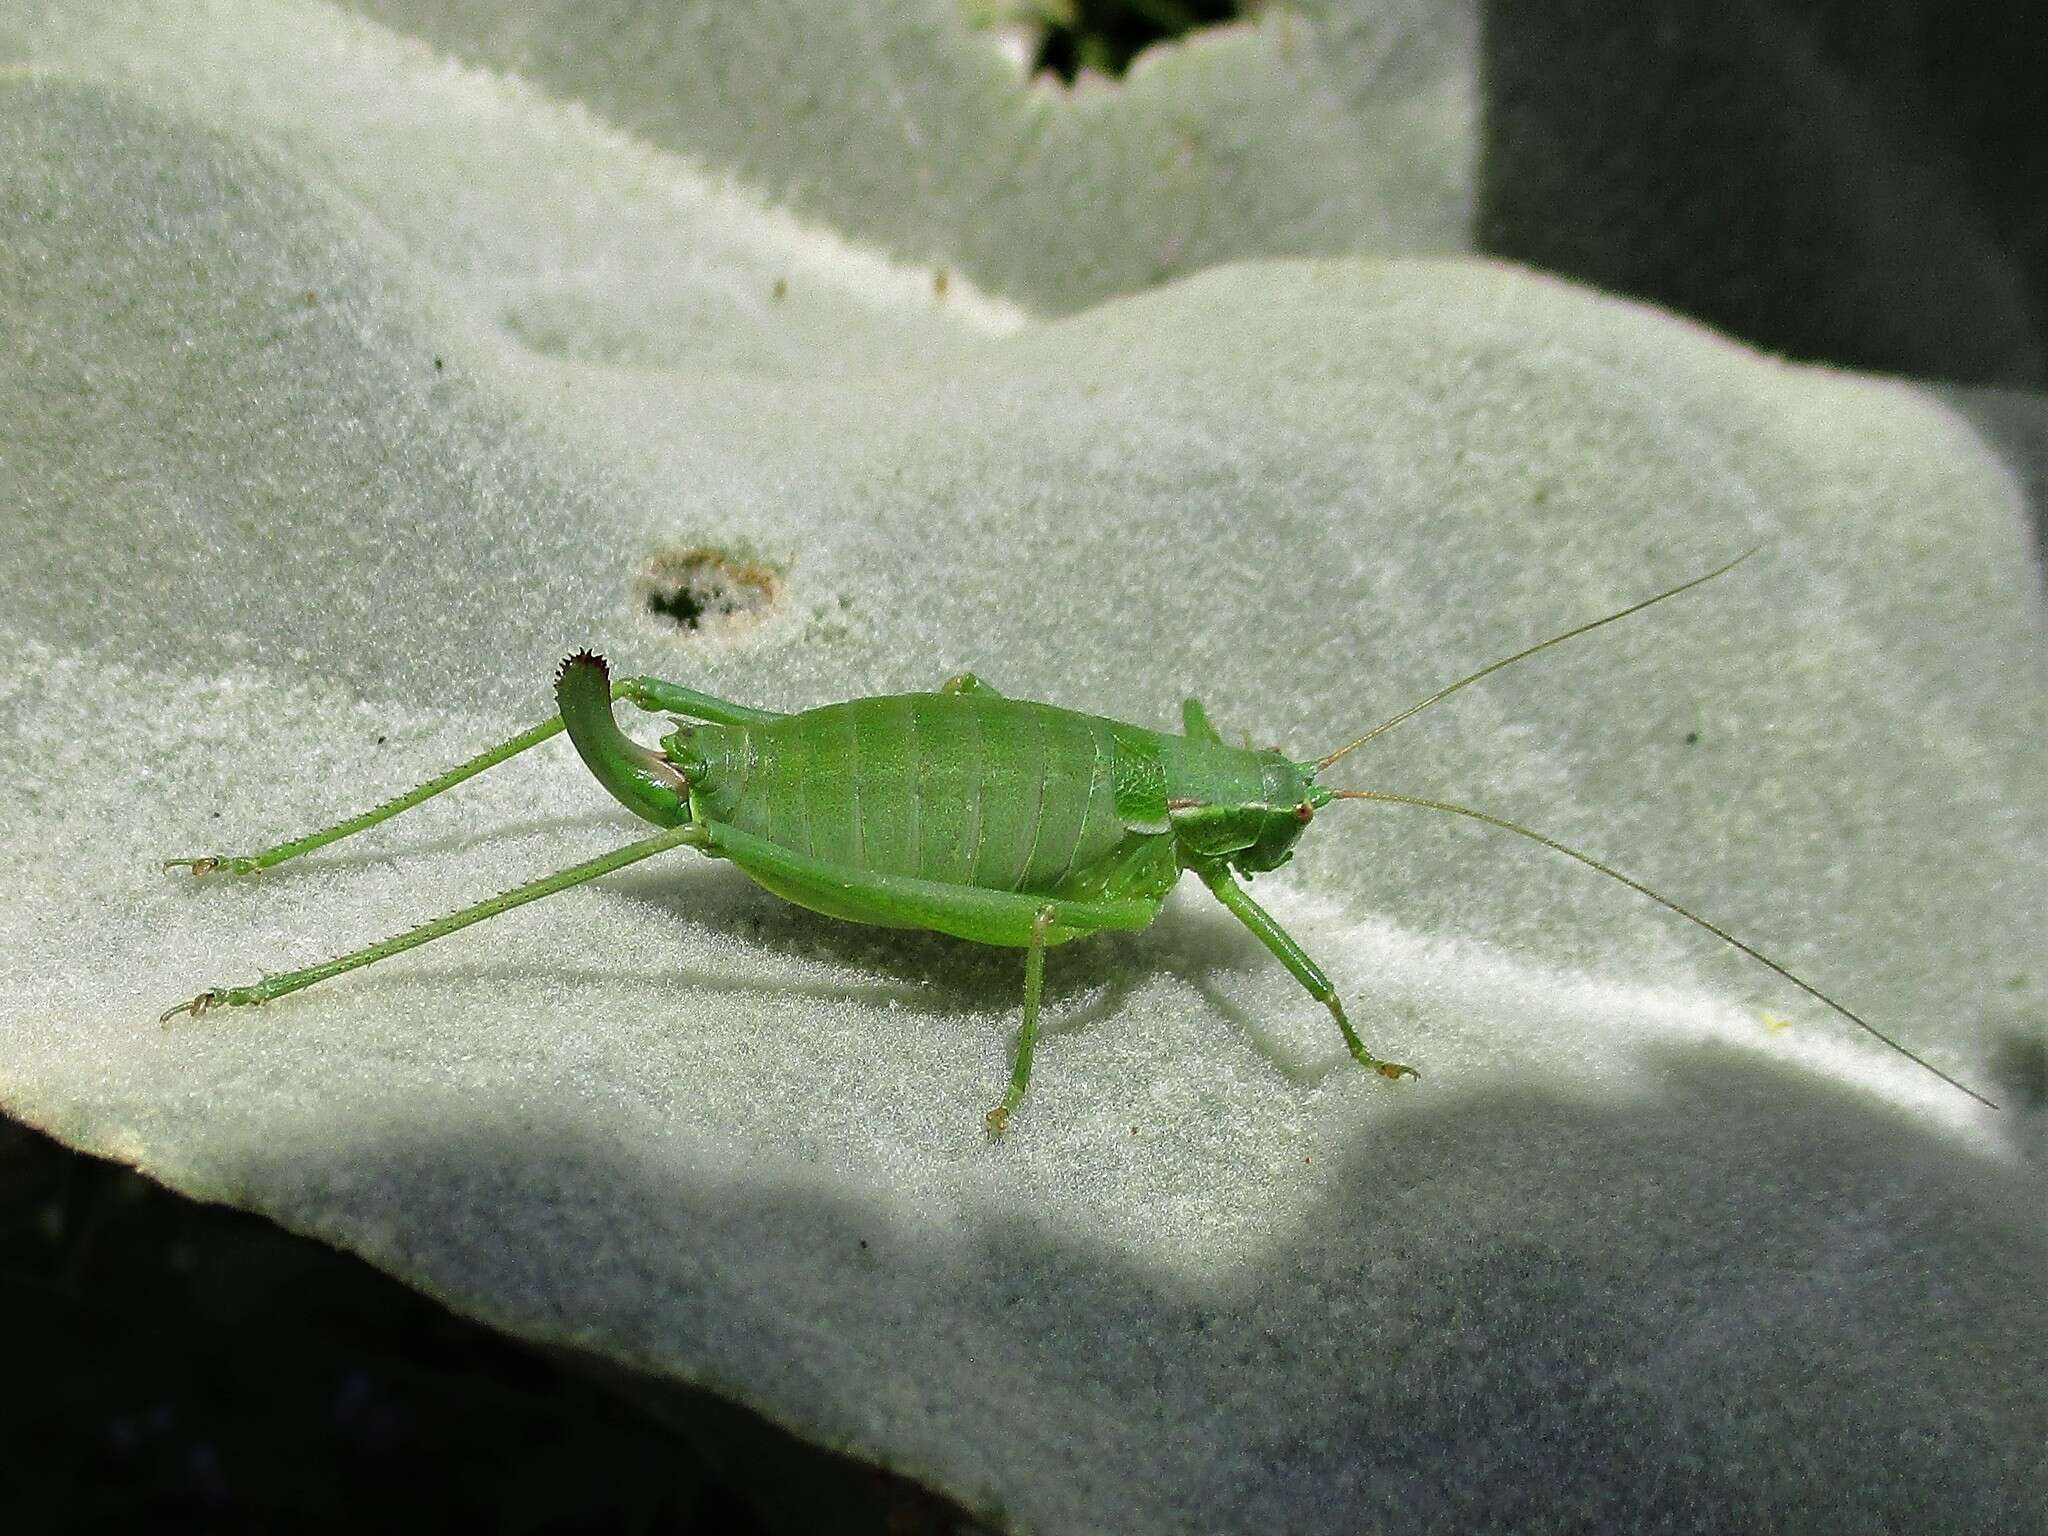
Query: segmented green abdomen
x=1003, y=794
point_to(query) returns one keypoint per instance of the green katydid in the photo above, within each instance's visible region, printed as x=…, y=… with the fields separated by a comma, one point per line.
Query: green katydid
x=998, y=820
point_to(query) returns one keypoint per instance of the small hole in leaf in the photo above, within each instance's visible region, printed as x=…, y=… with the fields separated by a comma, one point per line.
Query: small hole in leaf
x=1103, y=36
x=706, y=591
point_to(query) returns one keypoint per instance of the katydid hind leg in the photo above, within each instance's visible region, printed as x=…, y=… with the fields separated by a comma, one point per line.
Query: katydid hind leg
x=278, y=985
x=1300, y=966
x=251, y=863
x=997, y=1120
x=648, y=693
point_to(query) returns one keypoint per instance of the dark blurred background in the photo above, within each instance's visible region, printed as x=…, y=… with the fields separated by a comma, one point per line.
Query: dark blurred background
x=176, y=1365
x=1862, y=182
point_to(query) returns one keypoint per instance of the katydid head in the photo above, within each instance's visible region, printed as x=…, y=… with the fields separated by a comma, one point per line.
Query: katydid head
x=1258, y=830
x=1293, y=799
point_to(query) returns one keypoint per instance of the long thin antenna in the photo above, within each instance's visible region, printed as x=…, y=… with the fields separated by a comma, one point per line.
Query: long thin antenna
x=1666, y=902
x=1542, y=645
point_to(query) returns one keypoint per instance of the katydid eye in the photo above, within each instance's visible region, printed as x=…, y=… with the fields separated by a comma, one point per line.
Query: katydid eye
x=1304, y=813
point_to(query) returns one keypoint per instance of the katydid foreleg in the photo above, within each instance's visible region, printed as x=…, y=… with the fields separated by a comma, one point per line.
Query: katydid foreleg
x=1290, y=954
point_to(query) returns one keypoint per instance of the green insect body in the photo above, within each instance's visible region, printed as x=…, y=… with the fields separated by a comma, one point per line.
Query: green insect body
x=962, y=789
x=1001, y=821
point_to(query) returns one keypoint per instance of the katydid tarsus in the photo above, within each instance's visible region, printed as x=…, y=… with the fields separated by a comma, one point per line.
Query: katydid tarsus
x=998, y=820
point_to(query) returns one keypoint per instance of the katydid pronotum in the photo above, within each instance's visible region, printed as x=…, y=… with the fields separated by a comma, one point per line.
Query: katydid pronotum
x=998, y=820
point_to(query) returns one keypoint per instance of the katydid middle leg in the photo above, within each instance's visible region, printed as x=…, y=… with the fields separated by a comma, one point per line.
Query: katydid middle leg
x=1295, y=958
x=1009, y=918
x=997, y=1120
